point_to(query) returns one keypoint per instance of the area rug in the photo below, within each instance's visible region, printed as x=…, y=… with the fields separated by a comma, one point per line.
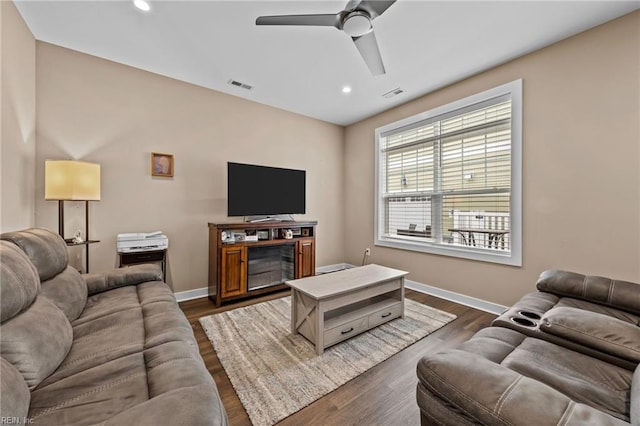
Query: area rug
x=276, y=373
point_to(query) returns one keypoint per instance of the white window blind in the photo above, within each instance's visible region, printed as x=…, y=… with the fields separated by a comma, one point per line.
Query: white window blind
x=445, y=179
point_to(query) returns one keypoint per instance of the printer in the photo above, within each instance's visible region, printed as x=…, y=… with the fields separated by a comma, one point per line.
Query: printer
x=140, y=241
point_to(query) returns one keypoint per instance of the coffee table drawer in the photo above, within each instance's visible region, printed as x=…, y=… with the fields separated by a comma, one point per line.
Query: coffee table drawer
x=350, y=329
x=386, y=314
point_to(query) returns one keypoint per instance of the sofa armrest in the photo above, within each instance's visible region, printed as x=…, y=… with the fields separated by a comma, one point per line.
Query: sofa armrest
x=121, y=277
x=622, y=295
x=602, y=332
x=495, y=395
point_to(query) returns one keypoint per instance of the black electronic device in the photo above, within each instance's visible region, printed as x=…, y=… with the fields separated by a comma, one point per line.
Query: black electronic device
x=254, y=190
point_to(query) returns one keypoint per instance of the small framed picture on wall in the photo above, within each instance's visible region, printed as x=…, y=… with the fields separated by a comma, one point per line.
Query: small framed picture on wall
x=161, y=164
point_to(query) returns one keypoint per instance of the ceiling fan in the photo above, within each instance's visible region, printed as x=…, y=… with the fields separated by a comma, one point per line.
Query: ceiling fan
x=355, y=20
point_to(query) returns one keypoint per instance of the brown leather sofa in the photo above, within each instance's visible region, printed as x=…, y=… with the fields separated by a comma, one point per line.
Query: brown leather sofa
x=565, y=355
x=109, y=349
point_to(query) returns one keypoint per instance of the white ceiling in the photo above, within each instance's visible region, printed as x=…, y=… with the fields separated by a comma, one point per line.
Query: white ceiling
x=425, y=45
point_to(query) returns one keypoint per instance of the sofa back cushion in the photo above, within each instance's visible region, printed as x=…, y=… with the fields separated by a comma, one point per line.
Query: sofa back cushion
x=36, y=341
x=622, y=295
x=46, y=250
x=35, y=335
x=19, y=283
x=62, y=284
x=68, y=291
x=594, y=330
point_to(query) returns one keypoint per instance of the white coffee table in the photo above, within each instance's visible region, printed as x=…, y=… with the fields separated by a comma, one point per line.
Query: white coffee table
x=330, y=308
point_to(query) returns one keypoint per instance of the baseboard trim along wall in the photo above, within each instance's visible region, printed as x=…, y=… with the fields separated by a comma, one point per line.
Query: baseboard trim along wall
x=183, y=296
x=333, y=268
x=482, y=305
x=472, y=302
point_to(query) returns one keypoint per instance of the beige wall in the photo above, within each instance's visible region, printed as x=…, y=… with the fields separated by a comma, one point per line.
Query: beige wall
x=581, y=158
x=581, y=168
x=18, y=145
x=100, y=111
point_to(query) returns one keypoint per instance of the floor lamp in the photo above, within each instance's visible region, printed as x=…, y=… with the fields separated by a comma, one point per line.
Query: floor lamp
x=72, y=181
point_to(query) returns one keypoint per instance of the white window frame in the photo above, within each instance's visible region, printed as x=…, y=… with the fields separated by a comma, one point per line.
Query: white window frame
x=514, y=256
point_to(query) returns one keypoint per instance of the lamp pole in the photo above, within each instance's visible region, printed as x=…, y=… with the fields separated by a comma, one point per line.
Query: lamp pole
x=61, y=218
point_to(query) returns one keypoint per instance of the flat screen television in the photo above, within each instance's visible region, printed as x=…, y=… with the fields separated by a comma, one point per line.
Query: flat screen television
x=264, y=191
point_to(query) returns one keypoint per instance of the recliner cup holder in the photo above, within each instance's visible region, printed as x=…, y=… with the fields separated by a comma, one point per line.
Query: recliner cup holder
x=523, y=321
x=530, y=315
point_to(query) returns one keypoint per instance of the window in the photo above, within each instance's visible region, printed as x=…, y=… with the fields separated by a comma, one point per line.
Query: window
x=449, y=180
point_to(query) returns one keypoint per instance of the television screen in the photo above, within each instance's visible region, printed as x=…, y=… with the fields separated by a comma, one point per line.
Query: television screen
x=258, y=190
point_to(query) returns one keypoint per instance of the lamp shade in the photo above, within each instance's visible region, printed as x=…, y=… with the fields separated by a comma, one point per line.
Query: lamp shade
x=71, y=180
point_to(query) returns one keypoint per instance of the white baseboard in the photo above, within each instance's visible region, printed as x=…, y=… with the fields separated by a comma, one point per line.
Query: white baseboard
x=333, y=268
x=473, y=302
x=482, y=305
x=197, y=293
x=183, y=296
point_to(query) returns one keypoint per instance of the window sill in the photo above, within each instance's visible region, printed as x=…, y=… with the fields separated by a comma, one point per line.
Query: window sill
x=483, y=255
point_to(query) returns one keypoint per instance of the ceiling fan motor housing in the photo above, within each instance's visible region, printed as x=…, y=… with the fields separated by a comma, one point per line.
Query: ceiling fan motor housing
x=357, y=24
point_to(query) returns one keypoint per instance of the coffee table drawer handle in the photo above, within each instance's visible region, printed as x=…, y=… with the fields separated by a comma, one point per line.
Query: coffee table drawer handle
x=347, y=331
x=385, y=315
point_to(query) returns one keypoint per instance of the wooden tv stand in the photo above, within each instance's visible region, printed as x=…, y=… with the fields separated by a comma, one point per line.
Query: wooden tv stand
x=241, y=269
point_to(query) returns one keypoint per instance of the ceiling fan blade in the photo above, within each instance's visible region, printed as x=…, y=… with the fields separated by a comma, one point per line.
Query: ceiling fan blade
x=374, y=8
x=314, y=20
x=368, y=47
x=353, y=4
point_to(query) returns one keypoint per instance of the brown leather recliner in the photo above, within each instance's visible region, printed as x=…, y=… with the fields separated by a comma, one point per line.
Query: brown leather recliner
x=565, y=355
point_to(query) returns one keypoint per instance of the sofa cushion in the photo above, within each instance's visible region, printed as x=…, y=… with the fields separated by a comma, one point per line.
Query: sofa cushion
x=68, y=291
x=594, y=330
x=456, y=388
x=132, y=348
x=19, y=283
x=197, y=405
x=582, y=378
x=92, y=395
x=605, y=291
x=635, y=398
x=526, y=316
x=46, y=250
x=36, y=341
x=569, y=302
x=486, y=382
x=15, y=393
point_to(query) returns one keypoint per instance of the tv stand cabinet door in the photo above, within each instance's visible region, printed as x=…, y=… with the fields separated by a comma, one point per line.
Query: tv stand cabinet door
x=233, y=272
x=306, y=259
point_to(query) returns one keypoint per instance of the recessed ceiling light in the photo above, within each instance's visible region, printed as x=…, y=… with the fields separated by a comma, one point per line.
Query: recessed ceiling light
x=346, y=89
x=142, y=5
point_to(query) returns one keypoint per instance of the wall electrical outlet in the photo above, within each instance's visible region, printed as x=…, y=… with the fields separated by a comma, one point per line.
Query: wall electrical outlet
x=367, y=251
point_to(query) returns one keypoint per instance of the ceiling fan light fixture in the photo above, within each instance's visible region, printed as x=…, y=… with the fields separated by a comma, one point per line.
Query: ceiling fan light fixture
x=355, y=20
x=142, y=5
x=357, y=24
x=346, y=89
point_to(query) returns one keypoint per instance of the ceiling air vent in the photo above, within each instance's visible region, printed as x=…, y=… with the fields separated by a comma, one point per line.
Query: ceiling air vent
x=240, y=84
x=392, y=93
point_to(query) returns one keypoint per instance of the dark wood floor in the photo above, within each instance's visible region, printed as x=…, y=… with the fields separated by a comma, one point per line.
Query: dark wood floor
x=384, y=395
